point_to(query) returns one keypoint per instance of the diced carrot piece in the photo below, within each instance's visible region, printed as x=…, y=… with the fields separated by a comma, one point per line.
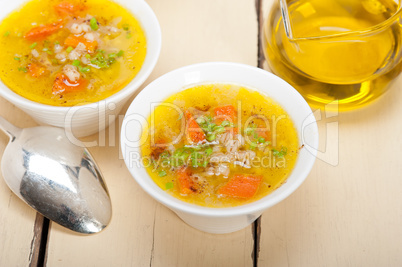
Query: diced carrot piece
x=63, y=85
x=241, y=186
x=73, y=40
x=227, y=112
x=263, y=132
x=42, y=32
x=35, y=70
x=194, y=131
x=186, y=184
x=68, y=9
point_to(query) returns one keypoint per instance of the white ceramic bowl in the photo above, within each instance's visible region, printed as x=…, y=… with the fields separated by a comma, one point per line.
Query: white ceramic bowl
x=88, y=119
x=220, y=220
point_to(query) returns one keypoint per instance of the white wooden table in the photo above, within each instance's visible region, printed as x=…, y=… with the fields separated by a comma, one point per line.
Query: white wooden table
x=349, y=214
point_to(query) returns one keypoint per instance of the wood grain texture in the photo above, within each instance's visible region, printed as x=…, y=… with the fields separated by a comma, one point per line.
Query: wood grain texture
x=349, y=214
x=39, y=241
x=143, y=232
x=18, y=236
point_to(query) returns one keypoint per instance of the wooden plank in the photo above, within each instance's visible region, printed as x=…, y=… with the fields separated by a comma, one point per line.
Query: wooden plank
x=39, y=241
x=349, y=214
x=142, y=232
x=19, y=235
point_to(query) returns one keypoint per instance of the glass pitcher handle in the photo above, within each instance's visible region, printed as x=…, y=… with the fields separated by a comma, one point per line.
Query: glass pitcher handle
x=286, y=19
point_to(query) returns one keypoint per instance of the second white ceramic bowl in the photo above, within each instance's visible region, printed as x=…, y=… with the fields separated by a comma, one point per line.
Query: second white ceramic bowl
x=88, y=119
x=219, y=220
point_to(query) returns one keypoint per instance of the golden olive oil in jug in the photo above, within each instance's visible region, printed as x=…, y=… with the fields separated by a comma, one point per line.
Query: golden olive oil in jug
x=345, y=50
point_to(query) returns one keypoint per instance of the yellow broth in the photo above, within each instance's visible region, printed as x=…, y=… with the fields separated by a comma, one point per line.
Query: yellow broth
x=165, y=125
x=17, y=52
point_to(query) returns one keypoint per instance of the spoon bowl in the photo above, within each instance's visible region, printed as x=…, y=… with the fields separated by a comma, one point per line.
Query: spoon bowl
x=57, y=178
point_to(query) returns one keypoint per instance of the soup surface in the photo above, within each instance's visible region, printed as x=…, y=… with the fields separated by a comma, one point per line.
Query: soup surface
x=65, y=53
x=219, y=145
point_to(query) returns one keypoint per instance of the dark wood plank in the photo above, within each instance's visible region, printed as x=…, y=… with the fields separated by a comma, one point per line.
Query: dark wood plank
x=39, y=241
x=257, y=224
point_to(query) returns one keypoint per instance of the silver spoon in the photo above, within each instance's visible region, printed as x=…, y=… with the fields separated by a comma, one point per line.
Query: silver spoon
x=55, y=177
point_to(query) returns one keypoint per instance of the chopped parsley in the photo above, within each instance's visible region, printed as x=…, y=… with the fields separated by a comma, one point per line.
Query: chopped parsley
x=94, y=24
x=23, y=69
x=126, y=27
x=76, y=63
x=169, y=185
x=280, y=153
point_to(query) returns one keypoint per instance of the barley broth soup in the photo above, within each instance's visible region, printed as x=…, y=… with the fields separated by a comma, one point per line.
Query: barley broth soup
x=65, y=53
x=219, y=145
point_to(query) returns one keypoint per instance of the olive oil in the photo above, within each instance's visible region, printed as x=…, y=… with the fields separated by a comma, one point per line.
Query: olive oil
x=345, y=50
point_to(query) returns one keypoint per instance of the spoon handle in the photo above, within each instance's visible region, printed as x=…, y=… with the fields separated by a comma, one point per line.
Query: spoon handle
x=11, y=130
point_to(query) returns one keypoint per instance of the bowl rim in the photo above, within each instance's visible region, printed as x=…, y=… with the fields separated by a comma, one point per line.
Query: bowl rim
x=151, y=56
x=250, y=208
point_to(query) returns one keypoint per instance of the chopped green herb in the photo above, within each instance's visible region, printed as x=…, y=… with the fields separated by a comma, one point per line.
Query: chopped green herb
x=219, y=129
x=281, y=153
x=49, y=52
x=185, y=156
x=128, y=35
x=253, y=145
x=7, y=33
x=169, y=185
x=210, y=127
x=94, y=24
x=180, y=116
x=17, y=58
x=261, y=140
x=101, y=62
x=162, y=173
x=69, y=49
x=194, y=159
x=114, y=55
x=249, y=131
x=225, y=123
x=57, y=43
x=211, y=137
x=76, y=63
x=54, y=61
x=208, y=151
x=200, y=120
x=125, y=27
x=178, y=152
x=23, y=69
x=88, y=56
x=111, y=60
x=84, y=69
x=33, y=45
x=45, y=49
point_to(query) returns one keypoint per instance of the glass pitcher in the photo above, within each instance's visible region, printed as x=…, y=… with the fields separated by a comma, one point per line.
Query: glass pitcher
x=345, y=50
